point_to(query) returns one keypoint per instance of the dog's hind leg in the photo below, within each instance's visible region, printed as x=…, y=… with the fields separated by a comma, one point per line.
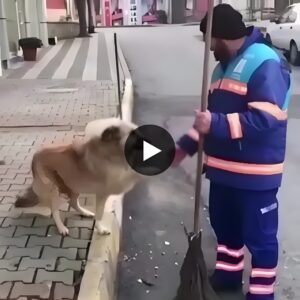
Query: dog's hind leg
x=62, y=229
x=55, y=204
x=74, y=203
x=100, y=205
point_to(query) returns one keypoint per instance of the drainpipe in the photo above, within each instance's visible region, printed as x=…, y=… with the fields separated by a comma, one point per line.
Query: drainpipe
x=42, y=17
x=4, y=45
x=262, y=6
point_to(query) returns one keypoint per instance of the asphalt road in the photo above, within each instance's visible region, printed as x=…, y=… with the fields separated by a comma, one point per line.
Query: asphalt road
x=166, y=65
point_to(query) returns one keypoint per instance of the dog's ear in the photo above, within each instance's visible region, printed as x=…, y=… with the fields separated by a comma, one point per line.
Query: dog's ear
x=111, y=134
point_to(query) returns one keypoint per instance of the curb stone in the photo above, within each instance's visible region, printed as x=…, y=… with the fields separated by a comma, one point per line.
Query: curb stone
x=100, y=277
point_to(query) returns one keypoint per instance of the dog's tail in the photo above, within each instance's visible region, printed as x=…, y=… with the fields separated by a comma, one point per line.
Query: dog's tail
x=28, y=199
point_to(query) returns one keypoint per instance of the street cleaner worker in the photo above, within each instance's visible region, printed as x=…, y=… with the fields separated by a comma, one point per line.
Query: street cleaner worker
x=244, y=131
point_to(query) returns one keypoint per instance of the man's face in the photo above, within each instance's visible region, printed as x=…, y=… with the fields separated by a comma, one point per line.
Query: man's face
x=220, y=49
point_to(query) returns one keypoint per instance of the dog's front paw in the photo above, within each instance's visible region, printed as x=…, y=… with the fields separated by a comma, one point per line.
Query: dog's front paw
x=101, y=229
x=63, y=230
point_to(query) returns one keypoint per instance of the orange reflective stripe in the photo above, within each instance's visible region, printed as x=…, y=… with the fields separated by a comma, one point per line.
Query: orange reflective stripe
x=261, y=289
x=193, y=134
x=270, y=108
x=234, y=86
x=244, y=168
x=231, y=252
x=264, y=273
x=230, y=267
x=235, y=126
x=215, y=85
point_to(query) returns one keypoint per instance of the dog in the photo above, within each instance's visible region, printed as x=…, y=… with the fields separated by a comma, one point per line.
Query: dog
x=96, y=166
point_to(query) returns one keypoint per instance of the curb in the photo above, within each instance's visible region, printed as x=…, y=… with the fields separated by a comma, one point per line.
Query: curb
x=99, y=281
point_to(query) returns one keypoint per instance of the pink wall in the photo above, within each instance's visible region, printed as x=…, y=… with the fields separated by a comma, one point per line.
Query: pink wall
x=201, y=7
x=55, y=4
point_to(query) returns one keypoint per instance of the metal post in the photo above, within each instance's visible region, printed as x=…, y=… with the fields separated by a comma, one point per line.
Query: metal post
x=204, y=97
x=118, y=75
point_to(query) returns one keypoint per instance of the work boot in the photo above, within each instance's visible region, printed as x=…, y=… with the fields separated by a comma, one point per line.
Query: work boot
x=225, y=286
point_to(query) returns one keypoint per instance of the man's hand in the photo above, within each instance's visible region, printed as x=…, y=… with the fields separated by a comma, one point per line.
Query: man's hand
x=202, y=121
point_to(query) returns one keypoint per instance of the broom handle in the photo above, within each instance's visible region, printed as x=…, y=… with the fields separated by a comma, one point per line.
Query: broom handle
x=204, y=96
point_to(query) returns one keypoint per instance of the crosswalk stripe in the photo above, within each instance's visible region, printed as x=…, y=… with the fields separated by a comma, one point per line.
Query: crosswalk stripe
x=64, y=68
x=39, y=66
x=90, y=70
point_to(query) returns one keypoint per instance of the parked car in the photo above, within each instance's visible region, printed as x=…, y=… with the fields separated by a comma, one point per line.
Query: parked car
x=284, y=32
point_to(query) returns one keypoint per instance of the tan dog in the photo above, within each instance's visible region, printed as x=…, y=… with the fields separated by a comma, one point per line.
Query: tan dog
x=97, y=166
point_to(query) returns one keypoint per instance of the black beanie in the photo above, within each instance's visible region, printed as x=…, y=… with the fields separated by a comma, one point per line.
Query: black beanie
x=227, y=23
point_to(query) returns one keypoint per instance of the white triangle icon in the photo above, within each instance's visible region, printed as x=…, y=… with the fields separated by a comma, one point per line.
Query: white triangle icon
x=149, y=151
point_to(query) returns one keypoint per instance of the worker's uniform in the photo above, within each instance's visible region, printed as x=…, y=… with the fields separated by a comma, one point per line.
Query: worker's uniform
x=245, y=151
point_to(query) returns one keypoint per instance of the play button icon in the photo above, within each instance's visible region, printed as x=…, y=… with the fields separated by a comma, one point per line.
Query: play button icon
x=150, y=150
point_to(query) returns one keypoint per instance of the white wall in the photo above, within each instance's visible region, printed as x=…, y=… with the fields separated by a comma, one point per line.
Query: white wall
x=54, y=15
x=32, y=18
x=4, y=47
x=12, y=25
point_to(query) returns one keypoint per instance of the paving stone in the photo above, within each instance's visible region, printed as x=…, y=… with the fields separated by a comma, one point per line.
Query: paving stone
x=9, y=193
x=4, y=290
x=15, y=241
x=10, y=264
x=54, y=241
x=85, y=233
x=75, y=243
x=18, y=187
x=63, y=291
x=27, y=222
x=5, y=207
x=66, y=277
x=80, y=223
x=33, y=252
x=2, y=251
x=16, y=180
x=7, y=231
x=4, y=187
x=72, y=215
x=67, y=264
x=73, y=232
x=40, y=222
x=50, y=252
x=82, y=254
x=40, y=231
x=35, y=290
x=15, y=214
x=47, y=264
x=24, y=276
x=8, y=200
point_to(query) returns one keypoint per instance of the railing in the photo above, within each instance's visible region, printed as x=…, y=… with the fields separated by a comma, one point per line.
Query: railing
x=120, y=74
x=124, y=82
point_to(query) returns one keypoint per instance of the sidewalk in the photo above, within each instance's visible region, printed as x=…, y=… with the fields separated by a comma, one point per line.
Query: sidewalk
x=48, y=102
